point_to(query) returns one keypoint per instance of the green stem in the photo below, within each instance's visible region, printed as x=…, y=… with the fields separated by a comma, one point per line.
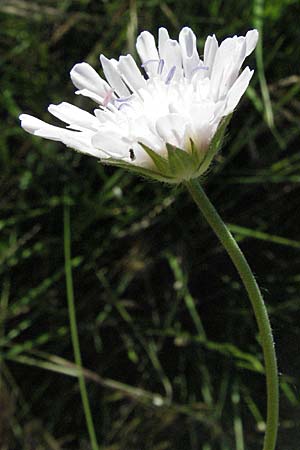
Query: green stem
x=258, y=306
x=74, y=329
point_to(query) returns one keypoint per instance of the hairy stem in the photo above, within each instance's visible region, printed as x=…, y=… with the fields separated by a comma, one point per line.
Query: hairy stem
x=258, y=305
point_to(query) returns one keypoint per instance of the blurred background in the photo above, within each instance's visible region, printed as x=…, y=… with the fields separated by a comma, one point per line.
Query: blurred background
x=167, y=333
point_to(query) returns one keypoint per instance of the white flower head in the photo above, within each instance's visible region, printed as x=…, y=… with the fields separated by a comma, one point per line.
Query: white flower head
x=167, y=124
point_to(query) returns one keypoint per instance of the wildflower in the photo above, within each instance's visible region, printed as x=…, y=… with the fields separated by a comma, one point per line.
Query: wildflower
x=168, y=124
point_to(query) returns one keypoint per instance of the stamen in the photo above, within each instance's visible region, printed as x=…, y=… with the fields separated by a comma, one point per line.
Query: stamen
x=123, y=99
x=145, y=64
x=124, y=104
x=160, y=66
x=131, y=154
x=108, y=97
x=170, y=75
x=196, y=69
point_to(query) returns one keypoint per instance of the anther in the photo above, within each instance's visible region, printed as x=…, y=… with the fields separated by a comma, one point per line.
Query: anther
x=196, y=69
x=123, y=99
x=170, y=74
x=124, y=104
x=160, y=66
x=145, y=64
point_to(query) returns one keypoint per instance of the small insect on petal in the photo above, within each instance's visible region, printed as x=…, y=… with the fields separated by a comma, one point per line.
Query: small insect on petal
x=131, y=154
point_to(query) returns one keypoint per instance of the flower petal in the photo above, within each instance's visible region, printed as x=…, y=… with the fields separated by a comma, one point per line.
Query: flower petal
x=75, y=139
x=190, y=57
x=112, y=144
x=170, y=54
x=74, y=116
x=84, y=76
x=113, y=76
x=131, y=73
x=172, y=129
x=146, y=48
x=30, y=123
x=89, y=94
x=204, y=134
x=210, y=49
x=228, y=61
x=251, y=41
x=163, y=37
x=238, y=89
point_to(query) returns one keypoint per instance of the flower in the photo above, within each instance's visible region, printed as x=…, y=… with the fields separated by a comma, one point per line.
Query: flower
x=167, y=125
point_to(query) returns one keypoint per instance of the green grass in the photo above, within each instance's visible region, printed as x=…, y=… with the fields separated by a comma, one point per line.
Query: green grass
x=168, y=341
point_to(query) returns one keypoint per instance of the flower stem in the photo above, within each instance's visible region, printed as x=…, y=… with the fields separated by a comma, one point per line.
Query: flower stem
x=74, y=329
x=257, y=302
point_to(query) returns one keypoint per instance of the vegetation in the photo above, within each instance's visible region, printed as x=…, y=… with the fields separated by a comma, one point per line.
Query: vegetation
x=167, y=335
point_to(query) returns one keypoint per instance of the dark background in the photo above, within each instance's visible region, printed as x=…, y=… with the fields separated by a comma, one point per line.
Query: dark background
x=159, y=305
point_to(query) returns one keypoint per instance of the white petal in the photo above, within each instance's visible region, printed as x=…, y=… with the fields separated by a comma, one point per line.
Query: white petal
x=111, y=143
x=84, y=76
x=232, y=72
x=251, y=41
x=105, y=117
x=202, y=112
x=238, y=89
x=170, y=55
x=131, y=73
x=163, y=37
x=146, y=48
x=147, y=134
x=202, y=87
x=203, y=135
x=30, y=123
x=92, y=95
x=190, y=57
x=201, y=118
x=228, y=61
x=210, y=49
x=76, y=140
x=74, y=116
x=172, y=129
x=113, y=77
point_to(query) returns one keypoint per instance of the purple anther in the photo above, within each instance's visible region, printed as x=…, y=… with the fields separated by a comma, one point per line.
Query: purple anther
x=196, y=69
x=123, y=99
x=108, y=97
x=124, y=104
x=145, y=64
x=170, y=75
x=160, y=66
